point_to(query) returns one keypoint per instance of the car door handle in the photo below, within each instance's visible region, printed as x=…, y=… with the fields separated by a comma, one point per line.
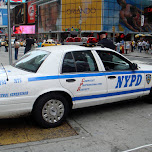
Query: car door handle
x=111, y=77
x=70, y=80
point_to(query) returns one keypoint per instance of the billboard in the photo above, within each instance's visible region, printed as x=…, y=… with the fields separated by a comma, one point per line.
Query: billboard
x=31, y=11
x=2, y=2
x=126, y=15
x=16, y=1
x=26, y=29
x=3, y=17
x=148, y=13
x=50, y=16
x=82, y=14
x=20, y=14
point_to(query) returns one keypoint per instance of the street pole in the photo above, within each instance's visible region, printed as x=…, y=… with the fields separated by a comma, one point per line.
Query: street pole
x=80, y=21
x=9, y=32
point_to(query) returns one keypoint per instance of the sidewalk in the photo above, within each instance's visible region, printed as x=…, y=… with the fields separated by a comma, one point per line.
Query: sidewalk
x=136, y=53
x=4, y=56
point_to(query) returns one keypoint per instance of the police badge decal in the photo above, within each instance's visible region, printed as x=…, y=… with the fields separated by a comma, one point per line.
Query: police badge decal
x=148, y=78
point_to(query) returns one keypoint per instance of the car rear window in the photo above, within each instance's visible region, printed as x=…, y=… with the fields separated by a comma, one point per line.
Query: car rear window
x=32, y=60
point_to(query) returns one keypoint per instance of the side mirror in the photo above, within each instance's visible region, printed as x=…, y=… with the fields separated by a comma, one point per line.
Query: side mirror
x=134, y=66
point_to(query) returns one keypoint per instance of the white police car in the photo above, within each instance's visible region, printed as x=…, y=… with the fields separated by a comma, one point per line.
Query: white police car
x=50, y=81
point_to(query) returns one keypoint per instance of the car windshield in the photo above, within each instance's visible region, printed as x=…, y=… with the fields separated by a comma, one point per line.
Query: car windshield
x=32, y=60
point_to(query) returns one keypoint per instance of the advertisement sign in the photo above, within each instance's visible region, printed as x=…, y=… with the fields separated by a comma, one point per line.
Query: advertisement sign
x=148, y=13
x=26, y=29
x=31, y=12
x=50, y=16
x=2, y=2
x=20, y=14
x=88, y=12
x=126, y=15
x=3, y=17
x=16, y=1
x=1, y=31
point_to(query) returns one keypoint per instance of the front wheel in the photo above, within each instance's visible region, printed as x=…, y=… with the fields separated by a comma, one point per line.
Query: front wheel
x=50, y=110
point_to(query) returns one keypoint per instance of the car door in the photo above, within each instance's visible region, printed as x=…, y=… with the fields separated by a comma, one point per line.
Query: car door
x=123, y=82
x=80, y=75
x=46, y=44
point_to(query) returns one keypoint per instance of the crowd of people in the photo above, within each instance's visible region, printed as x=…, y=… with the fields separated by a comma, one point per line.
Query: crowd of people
x=131, y=46
x=120, y=46
x=125, y=47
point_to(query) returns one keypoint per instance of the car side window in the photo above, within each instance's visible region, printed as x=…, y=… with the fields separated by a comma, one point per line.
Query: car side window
x=79, y=61
x=84, y=61
x=68, y=63
x=113, y=61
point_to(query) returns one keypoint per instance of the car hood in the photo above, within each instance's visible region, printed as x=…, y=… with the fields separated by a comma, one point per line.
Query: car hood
x=145, y=67
x=11, y=71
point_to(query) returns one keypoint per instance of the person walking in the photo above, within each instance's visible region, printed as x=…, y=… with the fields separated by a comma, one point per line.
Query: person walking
x=118, y=47
x=29, y=43
x=16, y=47
x=132, y=46
x=106, y=42
x=147, y=46
x=140, y=46
x=6, y=45
x=143, y=45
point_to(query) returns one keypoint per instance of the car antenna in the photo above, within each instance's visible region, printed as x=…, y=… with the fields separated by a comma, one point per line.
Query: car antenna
x=5, y=72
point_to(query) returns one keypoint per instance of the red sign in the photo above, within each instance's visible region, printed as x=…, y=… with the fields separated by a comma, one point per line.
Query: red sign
x=31, y=12
x=148, y=10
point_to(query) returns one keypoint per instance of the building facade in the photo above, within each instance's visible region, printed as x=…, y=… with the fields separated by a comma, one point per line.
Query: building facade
x=62, y=18
x=87, y=16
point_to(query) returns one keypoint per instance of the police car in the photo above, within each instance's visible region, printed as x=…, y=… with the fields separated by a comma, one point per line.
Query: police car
x=50, y=81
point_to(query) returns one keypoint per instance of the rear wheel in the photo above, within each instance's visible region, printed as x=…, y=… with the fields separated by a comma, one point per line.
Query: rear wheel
x=50, y=110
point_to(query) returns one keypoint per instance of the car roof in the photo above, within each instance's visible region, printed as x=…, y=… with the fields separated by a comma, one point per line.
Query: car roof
x=69, y=48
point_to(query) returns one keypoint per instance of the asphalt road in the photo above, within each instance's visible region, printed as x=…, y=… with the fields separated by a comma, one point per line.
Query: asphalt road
x=116, y=127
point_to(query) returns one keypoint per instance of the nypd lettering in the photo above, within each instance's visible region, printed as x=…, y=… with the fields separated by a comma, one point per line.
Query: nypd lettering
x=128, y=81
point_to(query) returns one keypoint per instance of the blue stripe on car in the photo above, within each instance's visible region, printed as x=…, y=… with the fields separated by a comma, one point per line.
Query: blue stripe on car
x=110, y=94
x=84, y=75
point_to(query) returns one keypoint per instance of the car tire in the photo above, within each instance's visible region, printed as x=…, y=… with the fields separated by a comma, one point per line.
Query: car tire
x=50, y=110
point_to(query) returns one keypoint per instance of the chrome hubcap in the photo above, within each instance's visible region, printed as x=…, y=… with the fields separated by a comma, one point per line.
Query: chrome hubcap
x=53, y=111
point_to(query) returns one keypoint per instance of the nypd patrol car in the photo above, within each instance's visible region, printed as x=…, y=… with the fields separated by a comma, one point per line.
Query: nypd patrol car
x=50, y=81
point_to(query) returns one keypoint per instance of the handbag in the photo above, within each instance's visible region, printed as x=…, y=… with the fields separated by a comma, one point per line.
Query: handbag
x=16, y=45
